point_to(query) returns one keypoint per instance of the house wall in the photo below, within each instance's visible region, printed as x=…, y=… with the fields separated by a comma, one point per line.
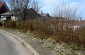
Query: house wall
x=2, y=18
x=13, y=18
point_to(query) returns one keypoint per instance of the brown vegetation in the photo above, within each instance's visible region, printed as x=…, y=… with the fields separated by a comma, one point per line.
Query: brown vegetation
x=10, y=24
x=51, y=28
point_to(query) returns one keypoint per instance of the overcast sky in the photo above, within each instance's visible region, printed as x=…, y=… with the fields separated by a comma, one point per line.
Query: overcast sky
x=50, y=5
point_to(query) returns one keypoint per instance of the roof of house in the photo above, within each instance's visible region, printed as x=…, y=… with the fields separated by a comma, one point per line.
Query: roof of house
x=45, y=14
x=3, y=7
x=1, y=4
x=30, y=13
x=9, y=13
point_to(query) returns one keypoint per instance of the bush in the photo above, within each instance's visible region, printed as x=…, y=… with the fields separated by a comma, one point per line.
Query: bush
x=51, y=29
x=10, y=24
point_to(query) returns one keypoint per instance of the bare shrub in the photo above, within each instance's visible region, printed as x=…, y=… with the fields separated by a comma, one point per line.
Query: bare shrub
x=50, y=29
x=10, y=24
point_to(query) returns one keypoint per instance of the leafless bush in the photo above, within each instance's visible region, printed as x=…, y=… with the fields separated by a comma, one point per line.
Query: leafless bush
x=10, y=24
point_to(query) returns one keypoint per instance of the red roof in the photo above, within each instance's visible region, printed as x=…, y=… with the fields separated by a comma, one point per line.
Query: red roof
x=1, y=4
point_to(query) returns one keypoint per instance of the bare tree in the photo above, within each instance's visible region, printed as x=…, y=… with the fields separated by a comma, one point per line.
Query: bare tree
x=19, y=7
x=68, y=13
x=36, y=6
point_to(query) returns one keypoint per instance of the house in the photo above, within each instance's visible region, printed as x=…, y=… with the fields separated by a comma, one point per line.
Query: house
x=31, y=13
x=3, y=8
x=10, y=15
x=6, y=14
x=45, y=16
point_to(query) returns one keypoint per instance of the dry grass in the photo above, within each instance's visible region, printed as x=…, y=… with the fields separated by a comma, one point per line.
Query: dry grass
x=51, y=28
x=10, y=24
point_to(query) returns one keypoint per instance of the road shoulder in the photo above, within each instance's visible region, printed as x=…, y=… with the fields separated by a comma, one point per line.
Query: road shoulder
x=30, y=42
